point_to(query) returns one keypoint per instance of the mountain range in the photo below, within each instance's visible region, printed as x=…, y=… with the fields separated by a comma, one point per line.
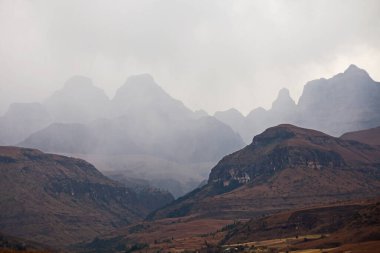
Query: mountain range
x=347, y=102
x=141, y=121
x=145, y=134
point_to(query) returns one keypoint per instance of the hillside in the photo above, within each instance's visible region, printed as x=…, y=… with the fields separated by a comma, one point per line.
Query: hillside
x=283, y=168
x=370, y=136
x=11, y=244
x=57, y=200
x=337, y=225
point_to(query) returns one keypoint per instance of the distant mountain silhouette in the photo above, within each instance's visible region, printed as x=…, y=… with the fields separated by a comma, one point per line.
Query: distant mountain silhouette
x=141, y=94
x=57, y=200
x=146, y=120
x=284, y=167
x=349, y=101
x=141, y=119
x=79, y=101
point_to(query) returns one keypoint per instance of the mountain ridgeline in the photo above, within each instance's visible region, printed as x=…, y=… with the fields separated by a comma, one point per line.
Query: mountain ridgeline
x=141, y=119
x=284, y=167
x=349, y=101
x=144, y=133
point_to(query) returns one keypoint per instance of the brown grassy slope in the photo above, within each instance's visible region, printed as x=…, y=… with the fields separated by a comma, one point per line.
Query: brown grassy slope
x=58, y=200
x=345, y=223
x=166, y=235
x=10, y=244
x=370, y=136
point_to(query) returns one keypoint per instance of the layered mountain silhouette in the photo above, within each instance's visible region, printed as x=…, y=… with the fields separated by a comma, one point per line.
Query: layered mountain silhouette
x=349, y=101
x=143, y=119
x=283, y=168
x=57, y=200
x=79, y=101
x=143, y=122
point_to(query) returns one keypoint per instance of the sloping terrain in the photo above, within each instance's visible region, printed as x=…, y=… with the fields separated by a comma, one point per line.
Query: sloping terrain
x=340, y=227
x=370, y=136
x=337, y=225
x=59, y=200
x=285, y=167
x=11, y=244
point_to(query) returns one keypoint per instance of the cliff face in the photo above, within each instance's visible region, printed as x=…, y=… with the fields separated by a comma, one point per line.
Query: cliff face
x=284, y=167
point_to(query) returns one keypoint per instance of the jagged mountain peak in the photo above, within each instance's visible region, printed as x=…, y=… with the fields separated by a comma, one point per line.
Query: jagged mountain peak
x=78, y=101
x=141, y=84
x=284, y=92
x=78, y=86
x=283, y=101
x=353, y=69
x=141, y=94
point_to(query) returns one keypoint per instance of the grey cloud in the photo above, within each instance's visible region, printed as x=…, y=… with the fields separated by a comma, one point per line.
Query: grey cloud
x=212, y=55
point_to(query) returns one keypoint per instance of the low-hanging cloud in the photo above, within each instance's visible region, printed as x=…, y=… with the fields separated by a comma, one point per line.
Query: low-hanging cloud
x=210, y=54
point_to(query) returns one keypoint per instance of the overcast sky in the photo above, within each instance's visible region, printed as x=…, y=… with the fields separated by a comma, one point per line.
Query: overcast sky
x=212, y=55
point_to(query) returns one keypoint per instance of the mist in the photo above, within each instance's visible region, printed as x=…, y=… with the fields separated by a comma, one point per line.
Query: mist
x=211, y=55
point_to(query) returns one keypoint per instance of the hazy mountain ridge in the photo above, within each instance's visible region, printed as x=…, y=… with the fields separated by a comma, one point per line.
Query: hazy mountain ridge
x=348, y=101
x=141, y=119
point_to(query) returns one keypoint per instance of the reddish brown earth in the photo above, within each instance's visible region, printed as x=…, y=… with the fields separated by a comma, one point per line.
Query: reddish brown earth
x=350, y=222
x=10, y=244
x=166, y=235
x=370, y=136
